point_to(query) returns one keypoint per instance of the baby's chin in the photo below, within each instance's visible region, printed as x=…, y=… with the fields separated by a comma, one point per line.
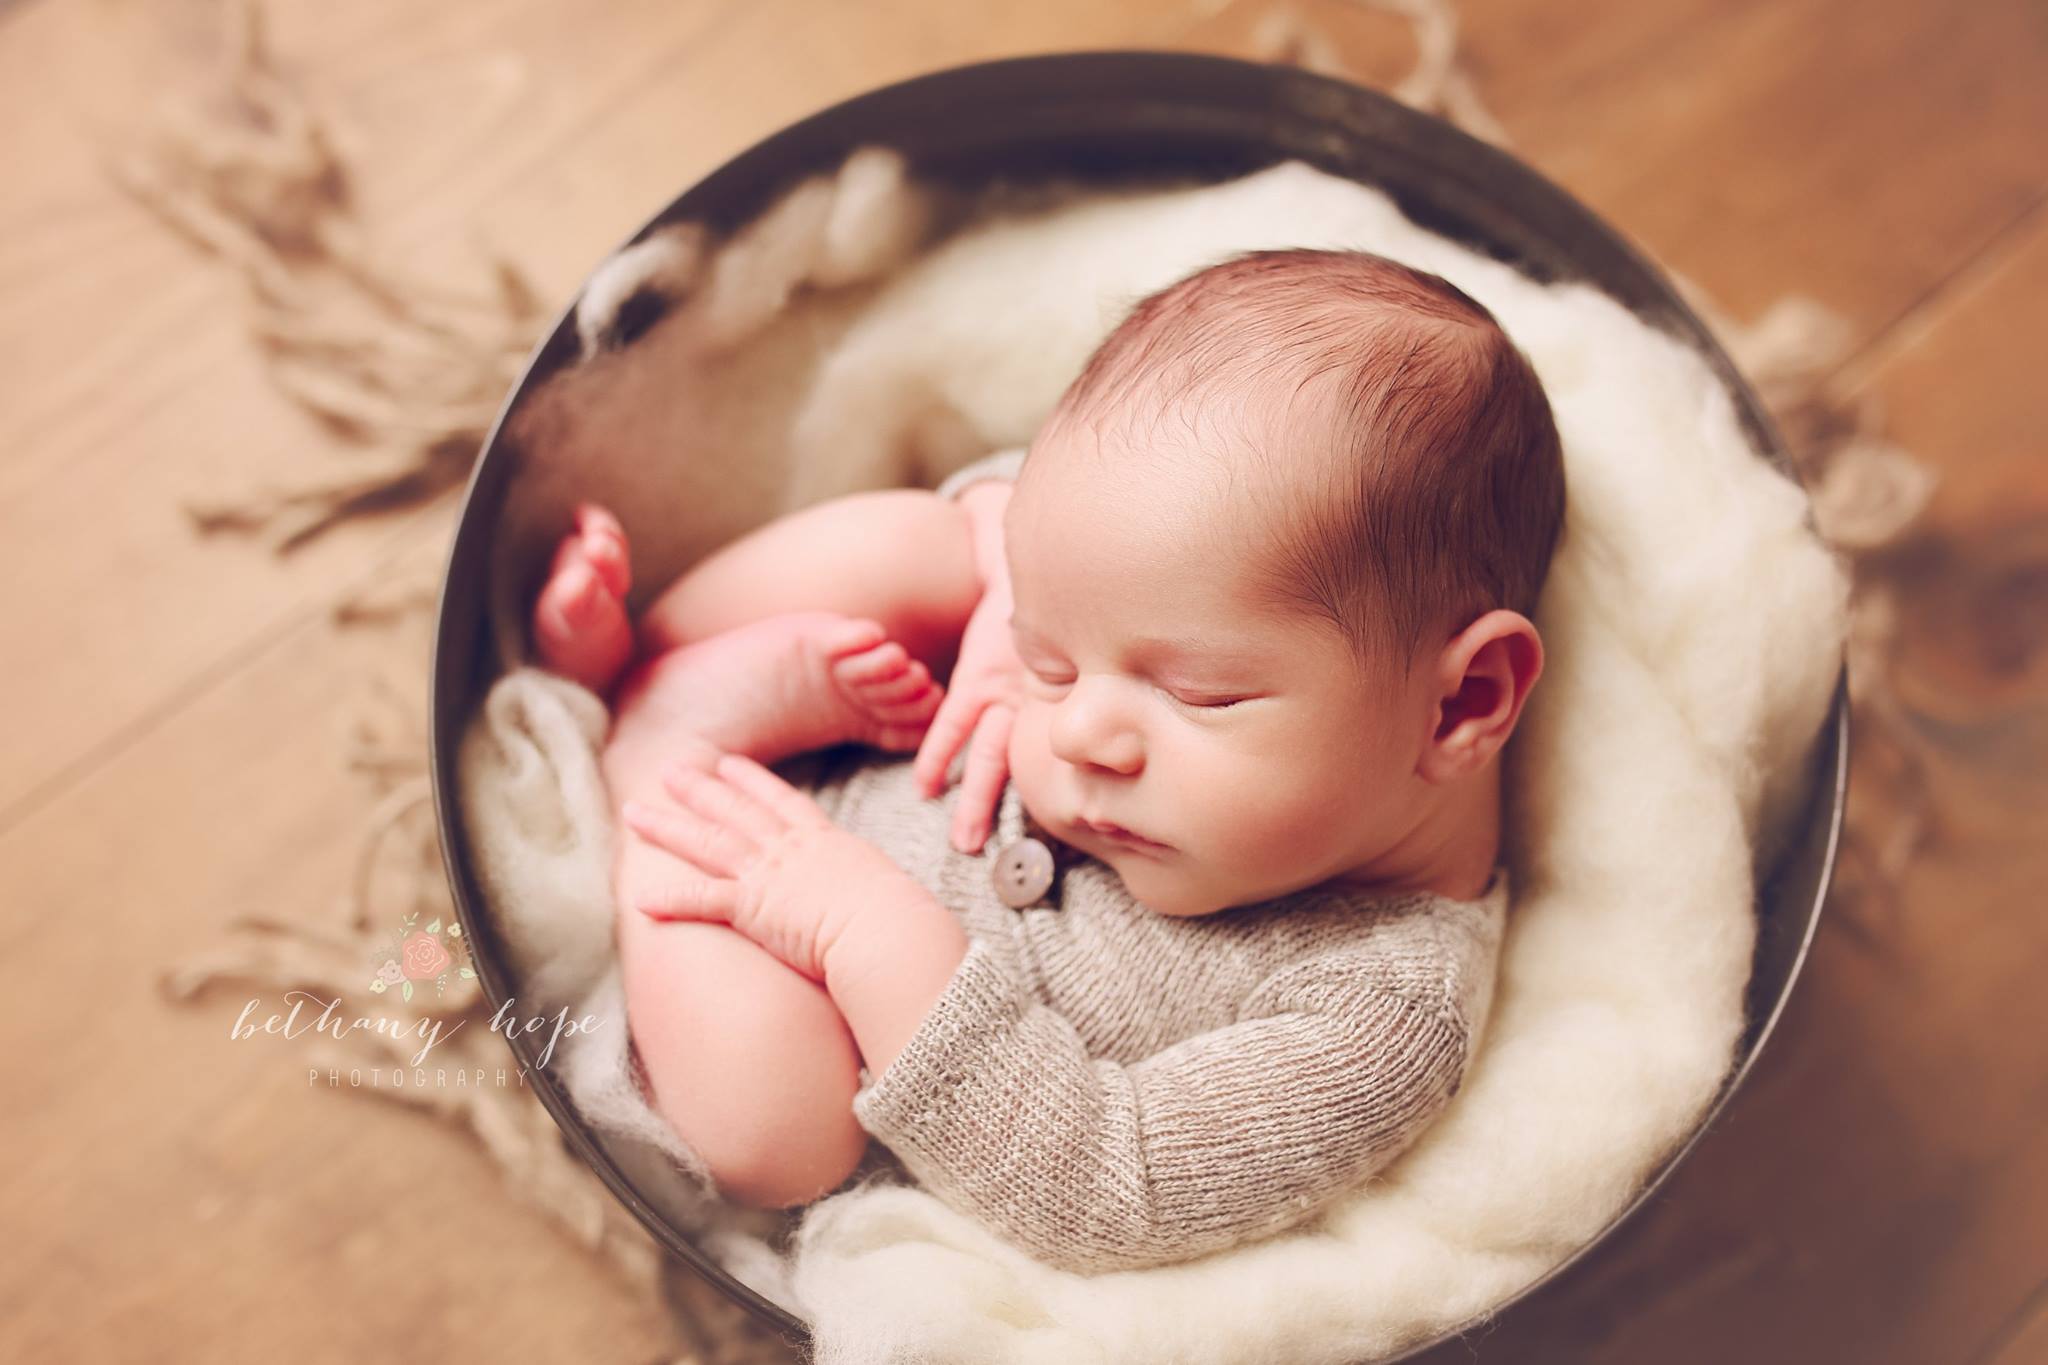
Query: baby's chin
x=1164, y=889
x=1177, y=888
x=1162, y=880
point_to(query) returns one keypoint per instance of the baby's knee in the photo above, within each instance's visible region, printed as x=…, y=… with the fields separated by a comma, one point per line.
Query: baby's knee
x=795, y=1169
x=775, y=1144
x=750, y=1064
x=789, y=1135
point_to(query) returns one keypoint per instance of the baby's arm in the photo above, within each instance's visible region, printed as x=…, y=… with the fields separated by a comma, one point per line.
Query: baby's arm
x=889, y=970
x=986, y=686
x=1092, y=1166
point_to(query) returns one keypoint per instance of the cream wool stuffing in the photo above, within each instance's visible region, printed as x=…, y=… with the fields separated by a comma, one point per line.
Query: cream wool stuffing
x=1693, y=626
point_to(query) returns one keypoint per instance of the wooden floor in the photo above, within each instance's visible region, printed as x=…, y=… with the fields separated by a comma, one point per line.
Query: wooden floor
x=179, y=705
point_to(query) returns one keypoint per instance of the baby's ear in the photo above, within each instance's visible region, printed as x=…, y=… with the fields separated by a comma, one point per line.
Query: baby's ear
x=1483, y=677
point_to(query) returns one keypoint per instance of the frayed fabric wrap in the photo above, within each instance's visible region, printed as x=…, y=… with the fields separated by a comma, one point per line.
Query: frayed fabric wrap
x=1693, y=624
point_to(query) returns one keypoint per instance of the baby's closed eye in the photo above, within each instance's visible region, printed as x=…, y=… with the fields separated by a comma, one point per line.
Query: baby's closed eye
x=1191, y=698
x=1041, y=675
x=1207, y=703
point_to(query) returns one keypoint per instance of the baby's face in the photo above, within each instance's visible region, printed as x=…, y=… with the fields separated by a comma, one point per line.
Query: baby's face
x=1246, y=748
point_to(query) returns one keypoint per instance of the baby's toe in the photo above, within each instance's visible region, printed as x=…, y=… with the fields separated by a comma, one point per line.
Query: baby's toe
x=602, y=541
x=568, y=599
x=561, y=615
x=580, y=628
x=585, y=600
x=921, y=706
x=902, y=688
x=864, y=668
x=851, y=636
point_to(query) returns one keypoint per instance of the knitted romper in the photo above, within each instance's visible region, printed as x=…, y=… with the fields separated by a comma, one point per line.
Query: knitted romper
x=1109, y=1088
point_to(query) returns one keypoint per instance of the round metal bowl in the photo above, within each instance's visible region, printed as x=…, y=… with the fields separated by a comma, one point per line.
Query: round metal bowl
x=1119, y=118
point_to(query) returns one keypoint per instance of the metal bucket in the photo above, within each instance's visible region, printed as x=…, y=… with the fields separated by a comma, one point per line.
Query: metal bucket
x=1120, y=118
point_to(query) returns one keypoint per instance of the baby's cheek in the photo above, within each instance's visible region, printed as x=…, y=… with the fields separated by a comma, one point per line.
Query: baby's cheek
x=1029, y=753
x=1274, y=814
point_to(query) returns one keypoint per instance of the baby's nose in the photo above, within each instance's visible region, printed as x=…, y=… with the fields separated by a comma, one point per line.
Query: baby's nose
x=1120, y=754
x=1089, y=730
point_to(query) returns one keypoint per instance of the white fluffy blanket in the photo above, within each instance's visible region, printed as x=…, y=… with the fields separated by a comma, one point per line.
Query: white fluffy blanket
x=1694, y=628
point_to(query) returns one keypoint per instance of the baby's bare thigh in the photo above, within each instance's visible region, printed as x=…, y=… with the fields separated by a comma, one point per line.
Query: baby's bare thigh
x=749, y=1061
x=903, y=556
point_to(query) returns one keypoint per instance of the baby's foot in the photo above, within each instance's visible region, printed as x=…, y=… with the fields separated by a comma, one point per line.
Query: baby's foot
x=580, y=627
x=885, y=697
x=794, y=682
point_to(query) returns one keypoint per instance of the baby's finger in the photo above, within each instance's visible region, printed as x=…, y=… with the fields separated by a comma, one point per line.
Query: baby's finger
x=707, y=846
x=942, y=740
x=785, y=802
x=981, y=785
x=723, y=805
x=690, y=895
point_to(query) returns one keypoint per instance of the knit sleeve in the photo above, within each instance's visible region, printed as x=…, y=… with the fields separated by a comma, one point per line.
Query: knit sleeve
x=1091, y=1165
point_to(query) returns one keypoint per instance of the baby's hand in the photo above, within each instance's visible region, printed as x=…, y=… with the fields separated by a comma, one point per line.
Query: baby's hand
x=981, y=701
x=985, y=689
x=772, y=863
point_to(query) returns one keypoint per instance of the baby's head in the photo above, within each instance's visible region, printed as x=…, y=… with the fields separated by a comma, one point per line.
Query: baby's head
x=1274, y=557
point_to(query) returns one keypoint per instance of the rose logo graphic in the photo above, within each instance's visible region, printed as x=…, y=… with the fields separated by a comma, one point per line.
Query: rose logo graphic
x=420, y=955
x=423, y=956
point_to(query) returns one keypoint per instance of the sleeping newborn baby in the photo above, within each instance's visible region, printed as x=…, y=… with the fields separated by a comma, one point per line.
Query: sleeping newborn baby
x=1205, y=933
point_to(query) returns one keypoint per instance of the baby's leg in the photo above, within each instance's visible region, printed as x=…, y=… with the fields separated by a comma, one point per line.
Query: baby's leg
x=901, y=556
x=785, y=685
x=747, y=1060
x=771, y=646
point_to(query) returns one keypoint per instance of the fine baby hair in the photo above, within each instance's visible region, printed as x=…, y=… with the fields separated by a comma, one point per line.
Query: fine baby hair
x=1422, y=480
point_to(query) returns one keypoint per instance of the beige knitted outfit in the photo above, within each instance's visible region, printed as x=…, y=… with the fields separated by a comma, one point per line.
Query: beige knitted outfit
x=1108, y=1088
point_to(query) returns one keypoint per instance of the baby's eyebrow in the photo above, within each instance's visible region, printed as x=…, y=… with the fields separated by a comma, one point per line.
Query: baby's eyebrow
x=1195, y=651
x=1146, y=647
